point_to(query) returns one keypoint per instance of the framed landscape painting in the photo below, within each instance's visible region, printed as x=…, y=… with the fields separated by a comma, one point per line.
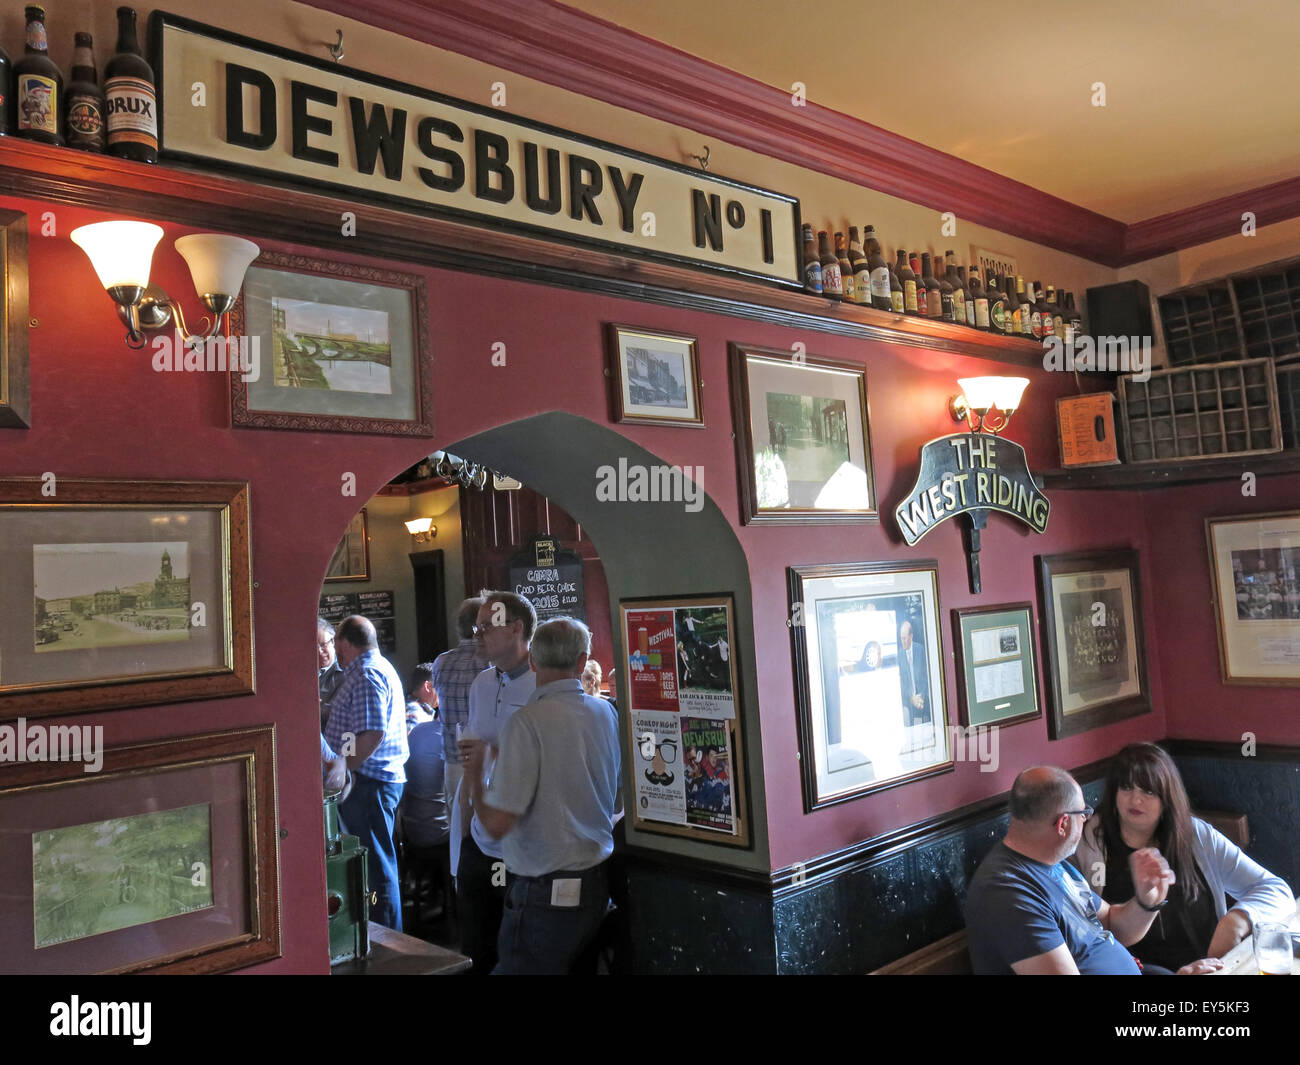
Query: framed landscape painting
x=656, y=377
x=122, y=593
x=802, y=439
x=341, y=348
x=164, y=861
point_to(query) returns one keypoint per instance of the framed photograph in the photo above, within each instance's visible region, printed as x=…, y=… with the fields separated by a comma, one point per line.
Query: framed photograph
x=997, y=683
x=802, y=439
x=165, y=860
x=869, y=681
x=122, y=593
x=1091, y=610
x=15, y=381
x=1255, y=576
x=342, y=348
x=351, y=559
x=688, y=760
x=655, y=377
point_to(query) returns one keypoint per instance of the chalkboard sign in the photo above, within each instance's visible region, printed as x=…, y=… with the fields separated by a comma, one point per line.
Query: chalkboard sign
x=376, y=607
x=549, y=577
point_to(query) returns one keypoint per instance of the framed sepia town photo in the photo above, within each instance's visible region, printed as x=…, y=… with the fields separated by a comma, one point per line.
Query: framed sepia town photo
x=802, y=438
x=351, y=559
x=687, y=756
x=1091, y=611
x=997, y=683
x=165, y=860
x=1255, y=577
x=15, y=370
x=340, y=348
x=655, y=377
x=869, y=681
x=122, y=593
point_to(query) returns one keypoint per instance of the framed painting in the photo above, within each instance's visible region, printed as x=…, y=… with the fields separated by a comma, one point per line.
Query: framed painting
x=802, y=438
x=655, y=377
x=15, y=380
x=1091, y=611
x=1255, y=577
x=869, y=682
x=351, y=559
x=688, y=759
x=997, y=682
x=122, y=593
x=340, y=348
x=165, y=860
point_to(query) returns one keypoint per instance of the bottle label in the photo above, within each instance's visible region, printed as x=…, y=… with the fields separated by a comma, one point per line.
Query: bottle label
x=946, y=307
x=832, y=283
x=1058, y=326
x=850, y=289
x=958, y=305
x=896, y=300
x=38, y=104
x=132, y=112
x=998, y=316
x=812, y=276
x=1026, y=321
x=862, y=283
x=909, y=296
x=970, y=312
x=1013, y=322
x=1069, y=334
x=85, y=120
x=36, y=36
x=880, y=282
x=981, y=312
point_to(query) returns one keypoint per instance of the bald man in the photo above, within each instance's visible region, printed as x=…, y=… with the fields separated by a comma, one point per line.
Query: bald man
x=1030, y=912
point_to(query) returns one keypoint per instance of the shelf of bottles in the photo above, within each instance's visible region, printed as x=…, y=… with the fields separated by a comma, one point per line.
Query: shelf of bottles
x=856, y=271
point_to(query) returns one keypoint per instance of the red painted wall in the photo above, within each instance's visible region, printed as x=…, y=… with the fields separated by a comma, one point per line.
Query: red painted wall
x=100, y=410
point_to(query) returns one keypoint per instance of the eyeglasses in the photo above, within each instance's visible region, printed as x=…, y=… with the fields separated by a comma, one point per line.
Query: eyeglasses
x=325, y=643
x=1085, y=813
x=483, y=630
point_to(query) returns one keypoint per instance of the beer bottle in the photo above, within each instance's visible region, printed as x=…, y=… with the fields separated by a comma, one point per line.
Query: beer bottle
x=1042, y=313
x=132, y=118
x=953, y=277
x=878, y=272
x=1058, y=317
x=1026, y=309
x=933, y=298
x=85, y=122
x=979, y=298
x=896, y=303
x=970, y=298
x=6, y=94
x=38, y=85
x=832, y=285
x=812, y=266
x=911, y=304
x=1074, y=320
x=846, y=269
x=997, y=306
x=1013, y=305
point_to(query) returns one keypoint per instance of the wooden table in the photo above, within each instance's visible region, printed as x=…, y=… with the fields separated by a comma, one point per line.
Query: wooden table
x=1240, y=960
x=397, y=954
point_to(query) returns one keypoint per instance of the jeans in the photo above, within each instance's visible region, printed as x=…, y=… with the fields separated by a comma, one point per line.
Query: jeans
x=479, y=903
x=367, y=813
x=540, y=939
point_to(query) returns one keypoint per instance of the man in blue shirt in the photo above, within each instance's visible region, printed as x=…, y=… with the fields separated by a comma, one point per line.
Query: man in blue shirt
x=1028, y=911
x=367, y=725
x=453, y=673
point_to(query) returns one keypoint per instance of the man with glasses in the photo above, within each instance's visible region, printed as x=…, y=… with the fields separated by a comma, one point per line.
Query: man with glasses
x=1028, y=911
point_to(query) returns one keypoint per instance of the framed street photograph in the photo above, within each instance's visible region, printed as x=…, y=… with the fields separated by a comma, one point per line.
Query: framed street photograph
x=351, y=559
x=802, y=438
x=342, y=348
x=163, y=861
x=1255, y=577
x=15, y=371
x=655, y=377
x=869, y=680
x=997, y=683
x=122, y=593
x=687, y=764
x=1091, y=611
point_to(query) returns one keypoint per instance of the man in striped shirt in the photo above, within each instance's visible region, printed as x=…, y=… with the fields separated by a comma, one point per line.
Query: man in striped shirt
x=453, y=672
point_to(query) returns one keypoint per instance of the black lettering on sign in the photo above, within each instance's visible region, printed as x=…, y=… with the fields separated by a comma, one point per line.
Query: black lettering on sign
x=492, y=156
x=424, y=132
x=264, y=136
x=765, y=222
x=585, y=183
x=626, y=196
x=532, y=192
x=708, y=219
x=378, y=135
x=301, y=94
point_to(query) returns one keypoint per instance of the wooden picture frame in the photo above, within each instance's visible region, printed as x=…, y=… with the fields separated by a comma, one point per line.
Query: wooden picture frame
x=687, y=760
x=825, y=403
x=861, y=728
x=351, y=310
x=15, y=363
x=122, y=594
x=1255, y=580
x=213, y=886
x=655, y=377
x=1090, y=609
x=997, y=678
x=351, y=559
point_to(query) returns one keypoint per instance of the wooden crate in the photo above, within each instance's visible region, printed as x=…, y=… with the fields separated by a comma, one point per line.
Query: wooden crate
x=1206, y=411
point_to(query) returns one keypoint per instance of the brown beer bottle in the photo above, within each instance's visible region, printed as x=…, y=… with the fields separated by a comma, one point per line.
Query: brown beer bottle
x=861, y=273
x=85, y=122
x=812, y=266
x=1042, y=313
x=953, y=277
x=1058, y=317
x=1013, y=305
x=1026, y=309
x=896, y=303
x=132, y=106
x=878, y=273
x=832, y=285
x=979, y=298
x=911, y=302
x=997, y=306
x=38, y=85
x=933, y=298
x=846, y=269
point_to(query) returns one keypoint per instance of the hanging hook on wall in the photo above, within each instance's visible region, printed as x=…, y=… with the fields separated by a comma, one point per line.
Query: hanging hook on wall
x=336, y=50
x=703, y=160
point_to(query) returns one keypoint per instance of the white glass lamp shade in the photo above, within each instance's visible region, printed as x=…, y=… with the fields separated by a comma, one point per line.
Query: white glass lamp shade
x=120, y=252
x=419, y=525
x=983, y=393
x=217, y=262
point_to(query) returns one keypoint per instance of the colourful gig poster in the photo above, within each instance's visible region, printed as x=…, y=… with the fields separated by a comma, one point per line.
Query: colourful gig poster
x=652, y=658
x=680, y=660
x=706, y=765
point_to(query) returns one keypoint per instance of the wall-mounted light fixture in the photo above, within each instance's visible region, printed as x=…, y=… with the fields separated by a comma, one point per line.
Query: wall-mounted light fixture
x=122, y=253
x=422, y=530
x=980, y=395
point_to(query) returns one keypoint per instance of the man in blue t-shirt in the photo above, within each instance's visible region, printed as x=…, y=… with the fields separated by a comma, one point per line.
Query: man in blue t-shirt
x=1028, y=911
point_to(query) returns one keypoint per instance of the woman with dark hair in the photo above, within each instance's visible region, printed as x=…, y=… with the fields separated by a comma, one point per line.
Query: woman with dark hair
x=1145, y=805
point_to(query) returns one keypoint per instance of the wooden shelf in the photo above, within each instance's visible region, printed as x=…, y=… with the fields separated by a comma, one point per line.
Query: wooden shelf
x=207, y=199
x=1144, y=477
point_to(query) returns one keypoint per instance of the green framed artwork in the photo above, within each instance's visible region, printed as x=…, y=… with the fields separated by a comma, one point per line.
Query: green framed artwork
x=997, y=680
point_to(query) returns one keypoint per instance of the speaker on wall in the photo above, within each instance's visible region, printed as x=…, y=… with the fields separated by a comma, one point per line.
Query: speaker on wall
x=1120, y=310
